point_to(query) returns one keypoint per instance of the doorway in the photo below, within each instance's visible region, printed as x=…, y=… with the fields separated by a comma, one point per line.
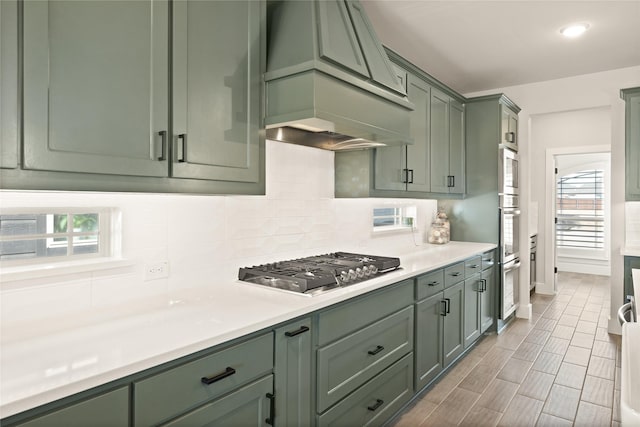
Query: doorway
x=579, y=198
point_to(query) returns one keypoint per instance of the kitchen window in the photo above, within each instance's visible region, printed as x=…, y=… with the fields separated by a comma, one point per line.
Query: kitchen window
x=46, y=235
x=394, y=218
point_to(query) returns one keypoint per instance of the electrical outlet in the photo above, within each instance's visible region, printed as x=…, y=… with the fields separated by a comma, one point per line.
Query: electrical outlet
x=156, y=270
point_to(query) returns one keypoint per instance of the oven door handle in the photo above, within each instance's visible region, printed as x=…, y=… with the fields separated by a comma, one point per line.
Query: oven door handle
x=515, y=264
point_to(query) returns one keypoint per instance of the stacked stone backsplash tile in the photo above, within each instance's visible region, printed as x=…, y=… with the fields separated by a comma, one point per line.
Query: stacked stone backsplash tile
x=206, y=238
x=632, y=226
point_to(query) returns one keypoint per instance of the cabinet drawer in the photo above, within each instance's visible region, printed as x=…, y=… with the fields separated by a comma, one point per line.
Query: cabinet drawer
x=107, y=410
x=247, y=407
x=168, y=394
x=453, y=274
x=351, y=316
x=473, y=266
x=376, y=401
x=350, y=362
x=429, y=284
x=488, y=259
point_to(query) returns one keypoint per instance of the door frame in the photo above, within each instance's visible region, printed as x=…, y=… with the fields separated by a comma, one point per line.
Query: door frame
x=549, y=285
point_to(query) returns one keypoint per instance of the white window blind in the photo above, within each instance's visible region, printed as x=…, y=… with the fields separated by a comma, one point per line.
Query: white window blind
x=580, y=210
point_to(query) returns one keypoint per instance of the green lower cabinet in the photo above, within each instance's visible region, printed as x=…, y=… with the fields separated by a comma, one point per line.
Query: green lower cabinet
x=472, y=308
x=9, y=84
x=107, y=410
x=249, y=406
x=377, y=400
x=429, y=322
x=293, y=374
x=630, y=262
x=487, y=299
x=453, y=335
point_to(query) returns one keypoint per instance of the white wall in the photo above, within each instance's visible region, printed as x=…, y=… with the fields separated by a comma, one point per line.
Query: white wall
x=560, y=132
x=207, y=238
x=590, y=91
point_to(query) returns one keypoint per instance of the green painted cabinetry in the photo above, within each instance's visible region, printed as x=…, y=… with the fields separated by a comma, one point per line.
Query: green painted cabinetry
x=487, y=299
x=478, y=296
x=293, y=374
x=428, y=353
x=632, y=144
x=358, y=344
x=433, y=166
x=96, y=87
x=9, y=84
x=509, y=127
x=249, y=406
x=164, y=396
x=98, y=82
x=630, y=262
x=217, y=69
x=107, y=410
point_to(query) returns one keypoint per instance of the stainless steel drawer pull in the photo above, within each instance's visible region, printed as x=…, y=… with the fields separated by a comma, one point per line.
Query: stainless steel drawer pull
x=302, y=330
x=213, y=378
x=377, y=350
x=379, y=403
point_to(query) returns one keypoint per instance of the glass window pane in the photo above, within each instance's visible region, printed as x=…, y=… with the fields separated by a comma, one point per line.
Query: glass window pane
x=15, y=225
x=85, y=222
x=32, y=248
x=85, y=245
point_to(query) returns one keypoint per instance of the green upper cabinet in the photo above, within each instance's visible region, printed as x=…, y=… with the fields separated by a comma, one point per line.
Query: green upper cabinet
x=96, y=87
x=9, y=84
x=632, y=150
x=509, y=127
x=439, y=131
x=457, y=150
x=217, y=69
x=447, y=144
x=419, y=178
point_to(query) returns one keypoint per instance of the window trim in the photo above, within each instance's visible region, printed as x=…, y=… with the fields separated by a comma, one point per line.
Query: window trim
x=105, y=227
x=409, y=212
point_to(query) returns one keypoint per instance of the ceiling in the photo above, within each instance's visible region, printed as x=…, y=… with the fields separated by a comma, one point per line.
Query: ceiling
x=479, y=45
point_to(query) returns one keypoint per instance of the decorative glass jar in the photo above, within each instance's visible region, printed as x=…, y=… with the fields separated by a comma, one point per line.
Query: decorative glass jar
x=440, y=230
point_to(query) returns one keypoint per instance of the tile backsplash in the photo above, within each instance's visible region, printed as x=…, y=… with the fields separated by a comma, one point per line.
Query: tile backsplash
x=206, y=238
x=632, y=224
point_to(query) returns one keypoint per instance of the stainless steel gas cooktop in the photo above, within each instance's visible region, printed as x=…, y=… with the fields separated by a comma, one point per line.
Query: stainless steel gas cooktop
x=316, y=274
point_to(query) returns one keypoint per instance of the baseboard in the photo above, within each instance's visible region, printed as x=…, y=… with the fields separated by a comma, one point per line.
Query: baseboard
x=524, y=311
x=542, y=288
x=576, y=267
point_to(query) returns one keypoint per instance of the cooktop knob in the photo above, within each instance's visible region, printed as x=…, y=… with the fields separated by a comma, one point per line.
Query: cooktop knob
x=344, y=276
x=360, y=273
x=352, y=274
x=373, y=269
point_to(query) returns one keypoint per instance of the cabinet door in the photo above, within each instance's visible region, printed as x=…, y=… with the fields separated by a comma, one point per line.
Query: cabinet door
x=456, y=147
x=632, y=154
x=96, y=86
x=439, y=139
x=453, y=334
x=509, y=128
x=472, y=290
x=246, y=407
x=429, y=318
x=217, y=69
x=293, y=374
x=418, y=154
x=107, y=410
x=390, y=168
x=9, y=84
x=487, y=299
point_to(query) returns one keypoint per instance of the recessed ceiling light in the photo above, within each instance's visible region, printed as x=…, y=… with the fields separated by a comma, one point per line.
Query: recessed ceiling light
x=574, y=30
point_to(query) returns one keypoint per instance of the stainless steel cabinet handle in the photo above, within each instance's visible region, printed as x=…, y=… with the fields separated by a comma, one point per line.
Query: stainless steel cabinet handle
x=163, y=146
x=183, y=138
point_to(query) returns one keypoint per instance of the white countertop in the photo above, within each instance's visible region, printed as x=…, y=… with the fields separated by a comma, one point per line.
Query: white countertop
x=42, y=363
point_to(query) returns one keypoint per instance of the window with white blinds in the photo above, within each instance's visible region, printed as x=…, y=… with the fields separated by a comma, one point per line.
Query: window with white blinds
x=580, y=210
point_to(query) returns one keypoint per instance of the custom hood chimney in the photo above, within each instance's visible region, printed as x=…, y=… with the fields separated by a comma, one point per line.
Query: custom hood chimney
x=329, y=82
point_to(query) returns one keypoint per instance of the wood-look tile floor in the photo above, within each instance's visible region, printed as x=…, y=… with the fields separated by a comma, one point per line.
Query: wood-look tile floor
x=560, y=368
